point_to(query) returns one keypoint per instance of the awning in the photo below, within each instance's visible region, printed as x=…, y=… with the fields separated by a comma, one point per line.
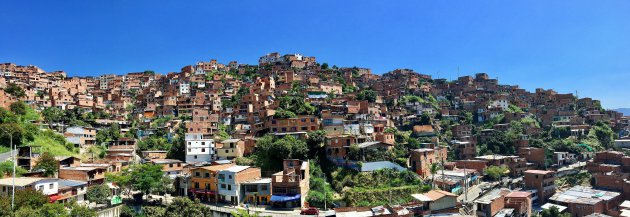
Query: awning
x=456, y=190
x=54, y=198
x=285, y=198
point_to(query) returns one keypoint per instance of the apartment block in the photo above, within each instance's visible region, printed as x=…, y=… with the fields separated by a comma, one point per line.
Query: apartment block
x=542, y=184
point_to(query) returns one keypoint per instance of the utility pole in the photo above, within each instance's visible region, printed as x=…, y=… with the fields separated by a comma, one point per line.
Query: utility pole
x=324, y=176
x=465, y=185
x=14, y=156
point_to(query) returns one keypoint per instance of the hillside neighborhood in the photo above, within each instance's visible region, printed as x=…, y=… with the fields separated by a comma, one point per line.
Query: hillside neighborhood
x=293, y=136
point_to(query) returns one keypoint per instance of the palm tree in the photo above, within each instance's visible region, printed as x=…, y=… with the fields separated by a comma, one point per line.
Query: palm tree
x=434, y=168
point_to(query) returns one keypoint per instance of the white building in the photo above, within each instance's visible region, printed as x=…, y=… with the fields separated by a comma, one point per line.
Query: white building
x=72, y=190
x=199, y=149
x=47, y=186
x=184, y=88
x=80, y=136
x=269, y=58
x=501, y=103
x=228, y=189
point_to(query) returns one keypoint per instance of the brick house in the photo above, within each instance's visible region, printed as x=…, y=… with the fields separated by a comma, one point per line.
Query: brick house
x=421, y=159
x=542, y=182
x=230, y=149
x=535, y=156
x=290, y=186
x=582, y=201
x=91, y=175
x=303, y=123
x=204, y=181
x=170, y=167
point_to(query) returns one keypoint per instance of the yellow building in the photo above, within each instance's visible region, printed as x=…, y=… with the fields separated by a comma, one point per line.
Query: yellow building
x=230, y=149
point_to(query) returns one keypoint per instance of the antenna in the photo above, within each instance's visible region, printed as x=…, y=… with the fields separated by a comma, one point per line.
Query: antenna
x=457, y=71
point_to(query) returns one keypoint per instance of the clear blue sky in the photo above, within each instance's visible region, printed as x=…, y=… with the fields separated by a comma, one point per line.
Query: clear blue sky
x=564, y=45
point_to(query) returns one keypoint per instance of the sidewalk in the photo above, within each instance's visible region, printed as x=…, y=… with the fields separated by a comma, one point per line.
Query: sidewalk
x=262, y=211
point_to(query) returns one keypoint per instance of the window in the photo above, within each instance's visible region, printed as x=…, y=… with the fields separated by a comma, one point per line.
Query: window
x=263, y=187
x=195, y=156
x=170, y=165
x=203, y=150
x=50, y=186
x=207, y=175
x=222, y=186
x=229, y=176
x=197, y=174
x=229, y=187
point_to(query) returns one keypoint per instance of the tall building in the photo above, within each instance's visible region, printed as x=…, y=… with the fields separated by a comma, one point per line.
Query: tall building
x=199, y=149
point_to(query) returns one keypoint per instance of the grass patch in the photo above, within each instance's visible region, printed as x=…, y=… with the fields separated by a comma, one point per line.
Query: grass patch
x=53, y=143
x=4, y=149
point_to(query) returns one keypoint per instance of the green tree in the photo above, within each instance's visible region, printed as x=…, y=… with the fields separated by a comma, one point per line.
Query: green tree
x=244, y=213
x=99, y=194
x=53, y=210
x=296, y=104
x=16, y=130
x=29, y=198
x=315, y=142
x=146, y=177
x=282, y=113
x=15, y=90
x=6, y=168
x=26, y=212
x=18, y=108
x=324, y=66
x=603, y=133
x=184, y=207
x=320, y=191
x=7, y=116
x=82, y=211
x=553, y=212
x=47, y=163
x=354, y=152
x=153, y=143
x=495, y=172
x=53, y=114
x=367, y=94
x=153, y=211
x=433, y=169
x=270, y=152
x=106, y=135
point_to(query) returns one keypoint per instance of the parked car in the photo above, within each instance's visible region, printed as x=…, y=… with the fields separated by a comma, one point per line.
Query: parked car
x=310, y=211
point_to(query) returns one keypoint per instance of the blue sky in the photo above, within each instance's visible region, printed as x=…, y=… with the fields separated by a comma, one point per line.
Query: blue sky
x=564, y=45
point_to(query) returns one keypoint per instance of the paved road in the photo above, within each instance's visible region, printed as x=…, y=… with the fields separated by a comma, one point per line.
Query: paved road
x=230, y=209
x=473, y=193
x=5, y=156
